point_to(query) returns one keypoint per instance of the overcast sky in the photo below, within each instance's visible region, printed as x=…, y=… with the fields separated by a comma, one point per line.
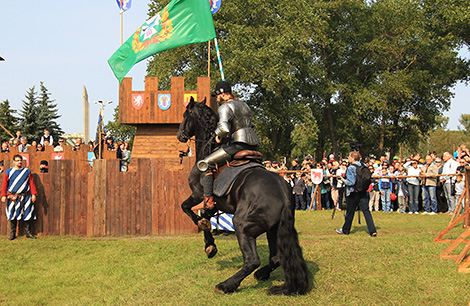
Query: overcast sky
x=66, y=44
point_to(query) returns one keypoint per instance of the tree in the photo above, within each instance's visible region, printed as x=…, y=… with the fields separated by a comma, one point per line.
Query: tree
x=375, y=71
x=47, y=114
x=305, y=136
x=465, y=122
x=28, y=117
x=38, y=113
x=120, y=132
x=8, y=120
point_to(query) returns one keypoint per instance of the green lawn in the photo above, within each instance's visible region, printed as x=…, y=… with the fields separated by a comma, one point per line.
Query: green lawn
x=399, y=267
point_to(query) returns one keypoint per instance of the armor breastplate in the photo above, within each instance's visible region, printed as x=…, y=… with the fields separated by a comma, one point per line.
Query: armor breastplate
x=235, y=121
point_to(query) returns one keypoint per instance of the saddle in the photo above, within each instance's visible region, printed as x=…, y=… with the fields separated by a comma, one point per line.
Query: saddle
x=239, y=159
x=225, y=175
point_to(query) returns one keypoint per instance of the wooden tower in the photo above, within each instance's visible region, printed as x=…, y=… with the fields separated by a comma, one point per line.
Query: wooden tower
x=157, y=115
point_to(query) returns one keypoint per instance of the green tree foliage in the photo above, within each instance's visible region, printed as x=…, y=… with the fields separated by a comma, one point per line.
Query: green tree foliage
x=38, y=112
x=47, y=114
x=465, y=122
x=305, y=136
x=380, y=72
x=8, y=120
x=120, y=132
x=28, y=124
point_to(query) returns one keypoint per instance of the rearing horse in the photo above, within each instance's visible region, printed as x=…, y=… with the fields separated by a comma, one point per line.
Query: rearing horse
x=261, y=202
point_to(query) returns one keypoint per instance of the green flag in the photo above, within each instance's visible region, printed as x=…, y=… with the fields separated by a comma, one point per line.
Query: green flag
x=181, y=22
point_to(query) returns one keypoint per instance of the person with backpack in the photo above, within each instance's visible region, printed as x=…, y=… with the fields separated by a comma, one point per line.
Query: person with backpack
x=358, y=179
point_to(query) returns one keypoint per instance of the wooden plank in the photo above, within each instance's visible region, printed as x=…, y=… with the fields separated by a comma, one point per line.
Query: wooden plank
x=174, y=226
x=133, y=203
x=151, y=89
x=90, y=213
x=125, y=105
x=111, y=173
x=155, y=198
x=45, y=203
x=138, y=199
x=177, y=100
x=204, y=92
x=125, y=207
x=99, y=223
x=146, y=185
x=55, y=196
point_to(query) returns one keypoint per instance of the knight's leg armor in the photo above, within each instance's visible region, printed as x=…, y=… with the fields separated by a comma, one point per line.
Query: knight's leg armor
x=207, y=180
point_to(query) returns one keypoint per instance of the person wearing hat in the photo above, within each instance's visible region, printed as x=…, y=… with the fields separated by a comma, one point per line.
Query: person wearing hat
x=234, y=130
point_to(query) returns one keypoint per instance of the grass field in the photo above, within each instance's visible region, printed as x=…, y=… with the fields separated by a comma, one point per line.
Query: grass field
x=399, y=267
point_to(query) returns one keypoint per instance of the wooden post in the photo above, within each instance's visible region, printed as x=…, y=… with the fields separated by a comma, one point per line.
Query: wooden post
x=466, y=198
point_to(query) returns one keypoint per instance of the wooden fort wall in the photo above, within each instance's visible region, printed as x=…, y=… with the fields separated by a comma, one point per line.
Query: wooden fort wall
x=107, y=202
x=78, y=199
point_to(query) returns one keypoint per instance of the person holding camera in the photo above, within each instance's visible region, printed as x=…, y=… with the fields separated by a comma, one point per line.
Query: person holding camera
x=356, y=198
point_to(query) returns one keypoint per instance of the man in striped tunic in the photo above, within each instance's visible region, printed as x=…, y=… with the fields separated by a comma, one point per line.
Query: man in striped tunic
x=19, y=193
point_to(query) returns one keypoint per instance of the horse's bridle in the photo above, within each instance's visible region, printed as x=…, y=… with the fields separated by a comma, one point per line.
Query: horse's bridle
x=206, y=129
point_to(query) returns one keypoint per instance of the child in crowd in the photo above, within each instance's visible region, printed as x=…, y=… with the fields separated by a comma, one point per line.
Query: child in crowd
x=402, y=191
x=459, y=187
x=385, y=185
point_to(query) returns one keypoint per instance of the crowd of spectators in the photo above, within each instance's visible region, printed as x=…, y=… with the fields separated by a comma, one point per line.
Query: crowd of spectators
x=21, y=142
x=429, y=185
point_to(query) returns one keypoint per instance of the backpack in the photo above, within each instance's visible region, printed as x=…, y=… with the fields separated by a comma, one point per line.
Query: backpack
x=363, y=178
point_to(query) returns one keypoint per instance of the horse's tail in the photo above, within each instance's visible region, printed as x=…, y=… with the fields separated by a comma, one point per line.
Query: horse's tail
x=292, y=261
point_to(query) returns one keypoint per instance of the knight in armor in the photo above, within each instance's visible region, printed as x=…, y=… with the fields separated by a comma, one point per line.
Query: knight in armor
x=19, y=193
x=234, y=131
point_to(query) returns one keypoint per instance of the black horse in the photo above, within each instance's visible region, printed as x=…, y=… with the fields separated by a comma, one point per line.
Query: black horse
x=261, y=201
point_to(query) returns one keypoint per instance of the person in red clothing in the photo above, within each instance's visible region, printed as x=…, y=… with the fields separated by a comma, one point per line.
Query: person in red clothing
x=19, y=194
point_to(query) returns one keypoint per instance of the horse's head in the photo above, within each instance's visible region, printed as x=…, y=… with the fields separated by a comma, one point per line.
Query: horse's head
x=193, y=118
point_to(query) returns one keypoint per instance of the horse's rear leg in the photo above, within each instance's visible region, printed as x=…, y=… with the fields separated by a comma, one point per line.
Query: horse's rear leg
x=264, y=272
x=250, y=263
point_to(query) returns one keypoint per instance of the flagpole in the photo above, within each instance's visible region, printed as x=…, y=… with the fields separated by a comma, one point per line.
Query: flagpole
x=220, y=60
x=121, y=25
x=209, y=58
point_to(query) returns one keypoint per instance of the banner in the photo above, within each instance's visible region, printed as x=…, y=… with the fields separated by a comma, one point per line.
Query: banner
x=180, y=23
x=124, y=5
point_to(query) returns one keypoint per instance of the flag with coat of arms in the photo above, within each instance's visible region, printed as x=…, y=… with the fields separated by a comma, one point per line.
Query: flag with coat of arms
x=181, y=22
x=124, y=5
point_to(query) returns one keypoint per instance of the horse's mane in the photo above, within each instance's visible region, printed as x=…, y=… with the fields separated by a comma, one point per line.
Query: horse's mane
x=208, y=116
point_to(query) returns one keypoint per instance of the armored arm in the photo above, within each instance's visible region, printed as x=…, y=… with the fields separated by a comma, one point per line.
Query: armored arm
x=225, y=117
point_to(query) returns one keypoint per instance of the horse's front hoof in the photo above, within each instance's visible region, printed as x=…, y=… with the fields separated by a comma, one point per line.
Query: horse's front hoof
x=217, y=290
x=262, y=274
x=204, y=224
x=211, y=251
x=224, y=288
